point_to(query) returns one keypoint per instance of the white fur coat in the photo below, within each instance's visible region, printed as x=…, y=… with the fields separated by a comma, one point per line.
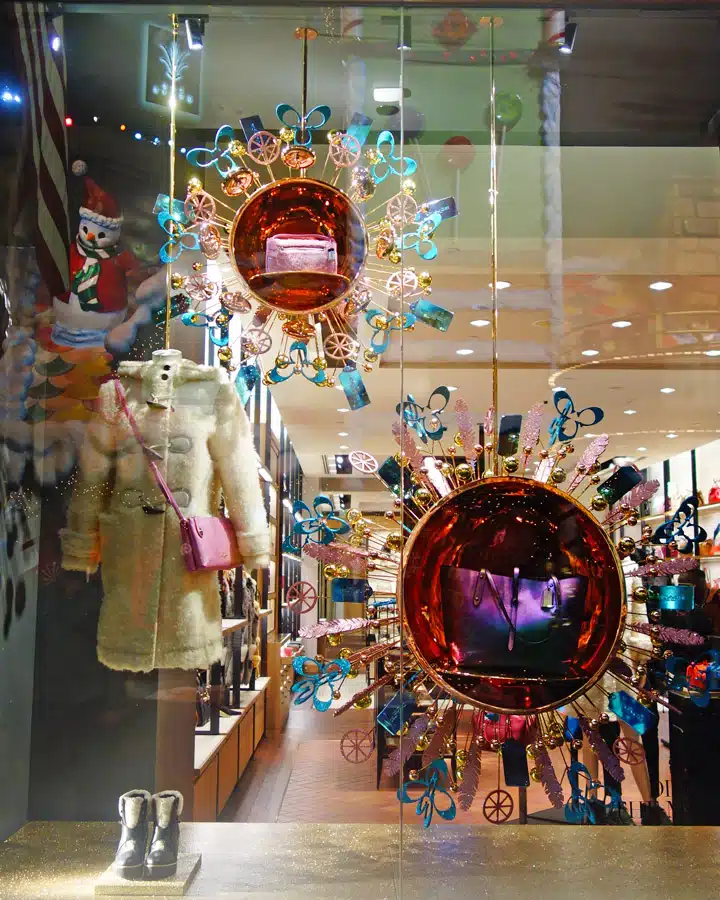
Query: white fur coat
x=155, y=613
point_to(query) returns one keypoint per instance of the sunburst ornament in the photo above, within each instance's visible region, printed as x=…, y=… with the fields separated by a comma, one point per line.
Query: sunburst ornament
x=514, y=623
x=323, y=281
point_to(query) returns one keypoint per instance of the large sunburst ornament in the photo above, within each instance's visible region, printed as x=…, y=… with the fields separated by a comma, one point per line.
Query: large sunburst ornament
x=322, y=281
x=515, y=626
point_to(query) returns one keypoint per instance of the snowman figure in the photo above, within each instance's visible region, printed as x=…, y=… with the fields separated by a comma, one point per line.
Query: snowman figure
x=98, y=296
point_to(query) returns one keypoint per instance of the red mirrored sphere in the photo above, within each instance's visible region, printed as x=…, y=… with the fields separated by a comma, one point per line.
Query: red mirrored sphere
x=288, y=213
x=513, y=595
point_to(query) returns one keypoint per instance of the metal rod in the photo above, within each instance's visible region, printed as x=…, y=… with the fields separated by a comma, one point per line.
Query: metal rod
x=171, y=195
x=493, y=245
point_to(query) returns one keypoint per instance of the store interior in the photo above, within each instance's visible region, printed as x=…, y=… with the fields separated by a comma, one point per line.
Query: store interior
x=559, y=343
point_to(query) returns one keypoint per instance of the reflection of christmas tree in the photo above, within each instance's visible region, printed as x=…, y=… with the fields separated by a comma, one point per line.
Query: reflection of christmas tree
x=66, y=383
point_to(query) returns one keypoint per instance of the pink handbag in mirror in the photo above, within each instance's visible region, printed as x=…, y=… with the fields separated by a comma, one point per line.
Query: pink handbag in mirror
x=301, y=253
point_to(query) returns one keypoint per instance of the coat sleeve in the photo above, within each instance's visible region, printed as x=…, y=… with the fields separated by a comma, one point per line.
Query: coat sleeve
x=81, y=539
x=234, y=460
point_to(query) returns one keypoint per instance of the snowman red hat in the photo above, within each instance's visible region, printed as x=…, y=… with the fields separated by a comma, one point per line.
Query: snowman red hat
x=98, y=205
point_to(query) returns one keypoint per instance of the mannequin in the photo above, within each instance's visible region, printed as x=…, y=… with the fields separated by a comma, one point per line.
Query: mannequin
x=156, y=614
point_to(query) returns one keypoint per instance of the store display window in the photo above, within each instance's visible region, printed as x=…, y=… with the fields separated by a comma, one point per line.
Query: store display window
x=359, y=482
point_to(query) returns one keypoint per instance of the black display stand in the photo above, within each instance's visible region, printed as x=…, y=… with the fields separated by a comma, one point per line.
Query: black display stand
x=695, y=761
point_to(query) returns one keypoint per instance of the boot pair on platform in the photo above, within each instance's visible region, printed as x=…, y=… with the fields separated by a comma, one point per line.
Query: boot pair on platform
x=138, y=811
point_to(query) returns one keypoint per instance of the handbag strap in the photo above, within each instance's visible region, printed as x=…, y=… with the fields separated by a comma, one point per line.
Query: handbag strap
x=149, y=454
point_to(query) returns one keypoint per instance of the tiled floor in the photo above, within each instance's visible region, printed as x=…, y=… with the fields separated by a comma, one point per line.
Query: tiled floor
x=301, y=776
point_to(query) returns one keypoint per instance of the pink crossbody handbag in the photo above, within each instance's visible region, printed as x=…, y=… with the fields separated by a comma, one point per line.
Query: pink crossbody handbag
x=301, y=253
x=208, y=542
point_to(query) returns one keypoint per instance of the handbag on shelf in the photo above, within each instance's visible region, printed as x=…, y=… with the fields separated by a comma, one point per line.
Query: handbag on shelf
x=503, y=727
x=207, y=542
x=301, y=253
x=505, y=623
x=202, y=703
x=714, y=495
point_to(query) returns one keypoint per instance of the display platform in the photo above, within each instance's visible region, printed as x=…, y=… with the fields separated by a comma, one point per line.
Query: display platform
x=62, y=860
x=111, y=885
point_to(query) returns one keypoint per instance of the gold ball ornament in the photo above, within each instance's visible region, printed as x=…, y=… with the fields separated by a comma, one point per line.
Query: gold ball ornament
x=394, y=256
x=194, y=185
x=510, y=464
x=626, y=546
x=282, y=361
x=446, y=469
x=595, y=479
x=370, y=356
x=198, y=266
x=337, y=695
x=464, y=472
x=394, y=541
x=343, y=571
x=319, y=364
x=354, y=672
x=423, y=743
x=424, y=280
x=632, y=519
x=345, y=653
x=334, y=640
x=363, y=703
x=413, y=775
x=237, y=149
x=409, y=187
x=286, y=135
x=353, y=516
x=177, y=281
x=558, y=475
x=598, y=503
x=330, y=571
x=224, y=354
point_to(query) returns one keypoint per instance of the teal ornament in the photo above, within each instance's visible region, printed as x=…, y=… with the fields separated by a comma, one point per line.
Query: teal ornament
x=508, y=110
x=219, y=157
x=179, y=239
x=421, y=240
x=682, y=528
x=677, y=597
x=578, y=809
x=162, y=205
x=355, y=391
x=385, y=166
x=435, y=797
x=298, y=356
x=289, y=548
x=303, y=127
x=632, y=712
x=380, y=340
x=179, y=304
x=567, y=423
x=390, y=474
x=317, y=680
x=321, y=528
x=425, y=420
x=431, y=314
x=247, y=377
x=397, y=712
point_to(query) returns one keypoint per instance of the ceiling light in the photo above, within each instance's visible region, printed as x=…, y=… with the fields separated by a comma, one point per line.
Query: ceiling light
x=641, y=449
x=558, y=388
x=343, y=433
x=343, y=409
x=338, y=459
x=501, y=285
x=590, y=352
x=464, y=351
x=55, y=43
x=194, y=31
x=138, y=136
x=671, y=434
x=621, y=323
x=667, y=390
x=451, y=387
x=630, y=412
x=712, y=353
x=387, y=95
x=569, y=38
x=590, y=434
x=480, y=323
x=661, y=285
x=344, y=447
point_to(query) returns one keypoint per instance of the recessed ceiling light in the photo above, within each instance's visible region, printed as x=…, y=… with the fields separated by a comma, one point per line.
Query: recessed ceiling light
x=451, y=387
x=671, y=434
x=590, y=434
x=712, y=353
x=558, y=388
x=338, y=459
x=667, y=390
x=590, y=352
x=501, y=285
x=344, y=447
x=661, y=285
x=630, y=412
x=343, y=433
x=621, y=323
x=480, y=323
x=464, y=351
x=641, y=449
x=343, y=409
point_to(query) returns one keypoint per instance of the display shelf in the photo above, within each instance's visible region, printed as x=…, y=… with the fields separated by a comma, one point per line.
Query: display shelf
x=264, y=613
x=230, y=625
x=658, y=517
x=707, y=560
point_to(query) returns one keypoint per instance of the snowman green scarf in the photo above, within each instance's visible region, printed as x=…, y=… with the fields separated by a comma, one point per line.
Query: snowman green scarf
x=85, y=280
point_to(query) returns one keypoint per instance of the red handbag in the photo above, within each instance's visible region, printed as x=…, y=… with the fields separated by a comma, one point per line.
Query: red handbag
x=208, y=542
x=504, y=728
